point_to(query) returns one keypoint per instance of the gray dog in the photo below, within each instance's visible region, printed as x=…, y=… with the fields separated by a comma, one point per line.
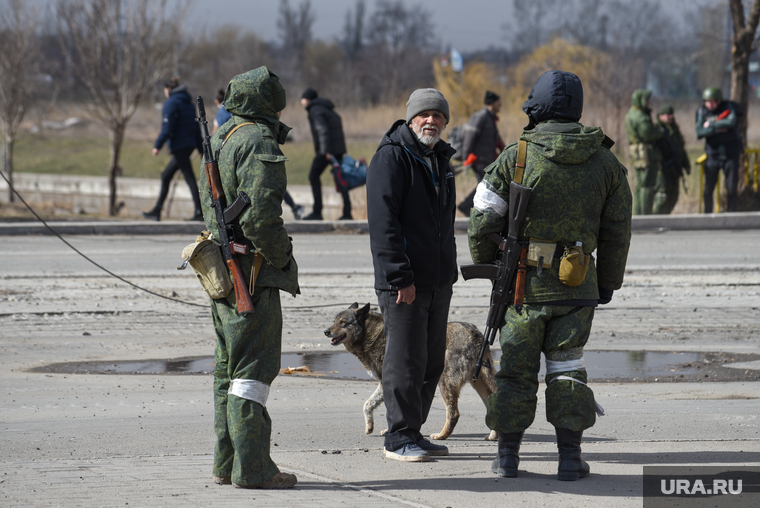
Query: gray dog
x=362, y=333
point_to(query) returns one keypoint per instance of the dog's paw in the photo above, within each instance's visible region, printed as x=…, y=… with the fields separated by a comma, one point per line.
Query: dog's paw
x=438, y=436
x=382, y=432
x=492, y=436
x=369, y=429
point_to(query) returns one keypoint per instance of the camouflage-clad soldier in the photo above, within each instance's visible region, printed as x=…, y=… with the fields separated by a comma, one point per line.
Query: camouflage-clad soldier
x=675, y=161
x=580, y=194
x=644, y=155
x=248, y=348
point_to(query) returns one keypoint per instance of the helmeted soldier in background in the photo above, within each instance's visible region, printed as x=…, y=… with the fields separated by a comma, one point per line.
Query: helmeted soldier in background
x=675, y=161
x=248, y=347
x=644, y=155
x=580, y=199
x=716, y=121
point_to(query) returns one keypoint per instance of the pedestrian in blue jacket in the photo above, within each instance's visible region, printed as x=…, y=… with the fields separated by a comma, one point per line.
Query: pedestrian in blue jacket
x=180, y=132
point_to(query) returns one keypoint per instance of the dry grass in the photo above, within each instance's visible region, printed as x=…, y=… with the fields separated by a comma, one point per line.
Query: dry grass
x=83, y=149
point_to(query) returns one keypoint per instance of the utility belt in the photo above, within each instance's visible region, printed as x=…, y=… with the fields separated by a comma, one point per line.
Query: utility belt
x=572, y=267
x=639, y=155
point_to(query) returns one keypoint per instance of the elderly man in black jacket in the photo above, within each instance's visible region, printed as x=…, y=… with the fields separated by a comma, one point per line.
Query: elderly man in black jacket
x=410, y=210
x=327, y=132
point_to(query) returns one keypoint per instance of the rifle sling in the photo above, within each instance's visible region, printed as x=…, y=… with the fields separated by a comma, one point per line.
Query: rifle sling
x=231, y=133
x=522, y=152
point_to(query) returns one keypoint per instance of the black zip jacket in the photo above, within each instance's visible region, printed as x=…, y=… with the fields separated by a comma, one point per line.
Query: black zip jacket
x=411, y=225
x=326, y=128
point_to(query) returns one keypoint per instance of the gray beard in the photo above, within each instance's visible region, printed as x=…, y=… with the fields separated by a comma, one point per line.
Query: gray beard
x=428, y=141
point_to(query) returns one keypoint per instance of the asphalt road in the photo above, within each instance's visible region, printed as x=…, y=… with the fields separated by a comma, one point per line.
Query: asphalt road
x=108, y=440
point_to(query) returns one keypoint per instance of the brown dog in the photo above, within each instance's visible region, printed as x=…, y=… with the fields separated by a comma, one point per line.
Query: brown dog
x=362, y=333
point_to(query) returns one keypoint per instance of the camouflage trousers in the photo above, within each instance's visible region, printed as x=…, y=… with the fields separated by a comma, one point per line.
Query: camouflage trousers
x=646, y=188
x=666, y=191
x=560, y=332
x=248, y=347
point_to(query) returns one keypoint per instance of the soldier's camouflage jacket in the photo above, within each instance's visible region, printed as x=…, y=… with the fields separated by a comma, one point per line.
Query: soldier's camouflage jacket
x=639, y=126
x=580, y=194
x=251, y=161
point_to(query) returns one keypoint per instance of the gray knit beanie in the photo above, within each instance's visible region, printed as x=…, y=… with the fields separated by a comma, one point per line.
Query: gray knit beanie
x=426, y=99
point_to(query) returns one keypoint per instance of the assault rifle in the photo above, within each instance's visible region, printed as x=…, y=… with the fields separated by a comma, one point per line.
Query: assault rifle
x=225, y=216
x=503, y=271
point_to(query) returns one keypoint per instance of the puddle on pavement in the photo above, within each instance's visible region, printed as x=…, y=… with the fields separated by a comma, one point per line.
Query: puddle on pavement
x=601, y=365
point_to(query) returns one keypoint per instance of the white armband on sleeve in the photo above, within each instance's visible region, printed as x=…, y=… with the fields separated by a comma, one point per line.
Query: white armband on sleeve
x=487, y=199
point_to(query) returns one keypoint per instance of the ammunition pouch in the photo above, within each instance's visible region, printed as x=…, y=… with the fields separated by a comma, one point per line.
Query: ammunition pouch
x=205, y=258
x=541, y=251
x=639, y=155
x=573, y=266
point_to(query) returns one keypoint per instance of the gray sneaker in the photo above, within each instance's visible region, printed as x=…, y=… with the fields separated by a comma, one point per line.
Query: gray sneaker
x=434, y=450
x=408, y=453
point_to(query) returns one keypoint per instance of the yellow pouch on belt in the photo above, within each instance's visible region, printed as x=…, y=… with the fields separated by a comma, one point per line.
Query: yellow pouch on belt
x=538, y=249
x=573, y=266
x=205, y=258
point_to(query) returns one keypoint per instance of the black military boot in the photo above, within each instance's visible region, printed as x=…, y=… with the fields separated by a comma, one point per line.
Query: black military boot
x=508, y=459
x=571, y=465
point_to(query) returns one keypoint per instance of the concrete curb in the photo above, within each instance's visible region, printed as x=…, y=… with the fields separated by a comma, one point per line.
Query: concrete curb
x=685, y=222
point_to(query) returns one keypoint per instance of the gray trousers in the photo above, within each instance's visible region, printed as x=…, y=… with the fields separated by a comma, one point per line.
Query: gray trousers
x=415, y=349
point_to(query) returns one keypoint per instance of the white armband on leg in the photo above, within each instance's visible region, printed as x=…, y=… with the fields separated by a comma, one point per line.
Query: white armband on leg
x=250, y=389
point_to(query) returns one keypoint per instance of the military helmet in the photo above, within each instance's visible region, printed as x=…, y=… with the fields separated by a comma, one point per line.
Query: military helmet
x=712, y=93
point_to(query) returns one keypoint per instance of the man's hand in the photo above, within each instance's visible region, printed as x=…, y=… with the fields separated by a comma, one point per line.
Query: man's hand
x=155, y=152
x=706, y=125
x=406, y=295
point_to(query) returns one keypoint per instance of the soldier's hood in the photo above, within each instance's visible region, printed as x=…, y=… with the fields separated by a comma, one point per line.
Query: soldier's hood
x=256, y=95
x=640, y=97
x=565, y=142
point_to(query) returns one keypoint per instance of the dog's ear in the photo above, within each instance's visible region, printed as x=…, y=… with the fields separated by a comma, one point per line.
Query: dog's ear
x=354, y=306
x=363, y=312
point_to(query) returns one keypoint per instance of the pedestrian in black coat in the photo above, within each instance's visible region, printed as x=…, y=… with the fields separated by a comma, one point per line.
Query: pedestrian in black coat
x=327, y=132
x=181, y=133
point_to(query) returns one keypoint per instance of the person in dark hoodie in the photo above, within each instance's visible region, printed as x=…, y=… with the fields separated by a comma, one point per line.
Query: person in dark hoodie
x=410, y=212
x=181, y=133
x=580, y=202
x=327, y=133
x=482, y=142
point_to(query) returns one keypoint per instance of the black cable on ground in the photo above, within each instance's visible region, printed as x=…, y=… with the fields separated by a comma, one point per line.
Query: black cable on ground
x=109, y=272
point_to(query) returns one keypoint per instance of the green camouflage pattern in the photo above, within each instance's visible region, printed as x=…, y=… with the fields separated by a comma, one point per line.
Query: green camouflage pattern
x=252, y=162
x=580, y=194
x=668, y=178
x=560, y=332
x=247, y=347
x=640, y=129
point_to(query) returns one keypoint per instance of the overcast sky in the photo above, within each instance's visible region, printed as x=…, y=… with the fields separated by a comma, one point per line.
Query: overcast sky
x=464, y=24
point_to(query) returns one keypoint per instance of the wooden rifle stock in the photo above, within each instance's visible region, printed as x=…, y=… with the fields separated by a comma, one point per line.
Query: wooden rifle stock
x=229, y=247
x=521, y=278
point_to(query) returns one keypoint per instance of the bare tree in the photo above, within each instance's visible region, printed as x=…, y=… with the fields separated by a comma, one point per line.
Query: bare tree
x=353, y=30
x=19, y=61
x=745, y=42
x=295, y=27
x=119, y=48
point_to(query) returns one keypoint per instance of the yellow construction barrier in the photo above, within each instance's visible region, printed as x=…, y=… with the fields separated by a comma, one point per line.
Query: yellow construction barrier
x=751, y=165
